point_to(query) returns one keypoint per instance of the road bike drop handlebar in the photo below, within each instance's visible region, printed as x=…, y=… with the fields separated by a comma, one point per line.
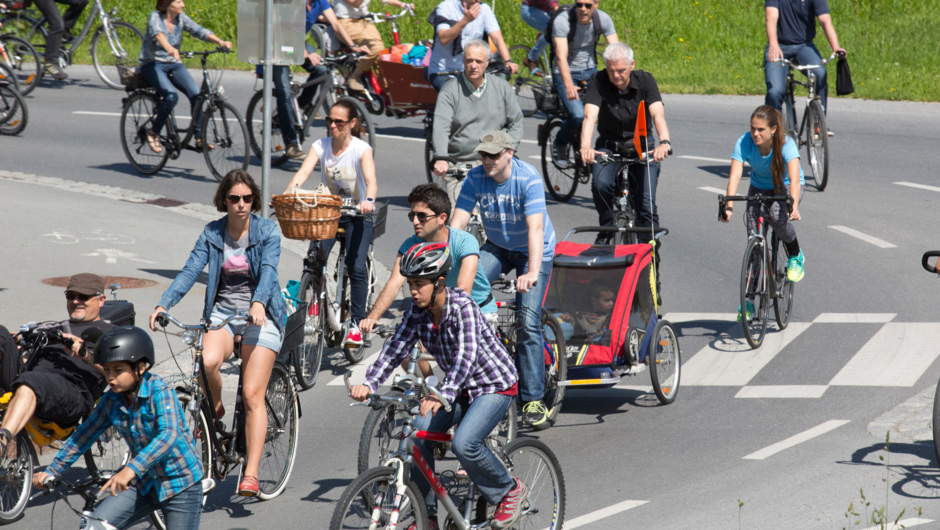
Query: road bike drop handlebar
x=925, y=261
x=724, y=200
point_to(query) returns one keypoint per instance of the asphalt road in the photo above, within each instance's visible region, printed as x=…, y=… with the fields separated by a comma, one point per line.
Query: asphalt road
x=781, y=437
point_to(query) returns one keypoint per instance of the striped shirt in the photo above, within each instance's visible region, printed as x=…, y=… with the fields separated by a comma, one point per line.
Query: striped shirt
x=464, y=346
x=163, y=454
x=505, y=206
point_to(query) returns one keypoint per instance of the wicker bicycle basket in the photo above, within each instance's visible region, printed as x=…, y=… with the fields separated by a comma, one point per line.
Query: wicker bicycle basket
x=308, y=217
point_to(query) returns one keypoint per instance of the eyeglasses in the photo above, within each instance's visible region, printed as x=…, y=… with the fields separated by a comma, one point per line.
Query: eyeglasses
x=586, y=5
x=339, y=123
x=488, y=156
x=78, y=296
x=234, y=199
x=422, y=217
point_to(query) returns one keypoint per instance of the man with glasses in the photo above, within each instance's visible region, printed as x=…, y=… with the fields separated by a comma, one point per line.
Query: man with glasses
x=574, y=34
x=430, y=210
x=468, y=107
x=63, y=384
x=520, y=238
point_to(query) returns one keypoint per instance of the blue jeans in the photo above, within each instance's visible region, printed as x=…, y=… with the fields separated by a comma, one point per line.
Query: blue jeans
x=358, y=239
x=281, y=92
x=530, y=349
x=775, y=74
x=538, y=19
x=604, y=189
x=439, y=80
x=158, y=75
x=575, y=107
x=181, y=511
x=476, y=421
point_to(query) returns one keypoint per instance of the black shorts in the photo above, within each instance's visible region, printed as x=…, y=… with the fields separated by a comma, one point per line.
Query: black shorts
x=58, y=398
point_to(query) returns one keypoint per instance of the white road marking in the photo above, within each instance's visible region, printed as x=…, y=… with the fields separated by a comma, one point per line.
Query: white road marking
x=706, y=159
x=602, y=514
x=906, y=523
x=896, y=356
x=782, y=391
x=771, y=450
x=688, y=318
x=864, y=237
x=918, y=186
x=854, y=318
x=713, y=190
x=358, y=371
x=90, y=113
x=729, y=361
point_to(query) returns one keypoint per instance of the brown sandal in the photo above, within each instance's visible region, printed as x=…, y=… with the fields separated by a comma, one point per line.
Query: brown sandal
x=154, y=140
x=199, y=145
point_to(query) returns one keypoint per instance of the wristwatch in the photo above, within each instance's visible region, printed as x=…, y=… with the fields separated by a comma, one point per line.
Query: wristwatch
x=667, y=142
x=370, y=199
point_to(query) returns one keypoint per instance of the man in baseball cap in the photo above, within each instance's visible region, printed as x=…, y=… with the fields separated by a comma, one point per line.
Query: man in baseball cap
x=86, y=283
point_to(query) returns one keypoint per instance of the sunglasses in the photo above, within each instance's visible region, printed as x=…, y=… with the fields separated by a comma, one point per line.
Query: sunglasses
x=339, y=123
x=488, y=156
x=586, y=5
x=234, y=199
x=422, y=217
x=78, y=296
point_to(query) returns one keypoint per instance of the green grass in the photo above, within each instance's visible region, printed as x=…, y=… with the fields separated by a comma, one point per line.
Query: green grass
x=698, y=47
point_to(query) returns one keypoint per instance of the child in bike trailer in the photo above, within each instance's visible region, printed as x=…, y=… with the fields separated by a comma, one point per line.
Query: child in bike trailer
x=775, y=165
x=480, y=379
x=163, y=459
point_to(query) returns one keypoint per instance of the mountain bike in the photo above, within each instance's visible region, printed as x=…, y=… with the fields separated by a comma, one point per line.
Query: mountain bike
x=22, y=60
x=930, y=265
x=764, y=271
x=383, y=425
x=225, y=138
x=329, y=318
x=223, y=449
x=14, y=115
x=386, y=497
x=117, y=52
x=813, y=131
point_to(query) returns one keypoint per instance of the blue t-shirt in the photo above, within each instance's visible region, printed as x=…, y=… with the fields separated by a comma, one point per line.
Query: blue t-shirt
x=462, y=245
x=504, y=207
x=761, y=177
x=317, y=7
x=797, y=21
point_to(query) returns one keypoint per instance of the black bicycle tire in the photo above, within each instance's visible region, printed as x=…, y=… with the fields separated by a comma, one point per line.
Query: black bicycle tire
x=760, y=309
x=935, y=424
x=23, y=47
x=25, y=445
x=551, y=468
x=129, y=62
x=198, y=426
x=554, y=394
x=783, y=298
x=310, y=282
x=280, y=393
x=382, y=439
x=9, y=77
x=665, y=390
x=102, y=458
x=353, y=492
x=140, y=127
x=241, y=151
x=255, y=140
x=818, y=132
x=549, y=166
x=9, y=127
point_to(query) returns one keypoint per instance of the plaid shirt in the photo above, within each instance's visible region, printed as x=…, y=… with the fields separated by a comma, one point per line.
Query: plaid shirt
x=464, y=346
x=162, y=450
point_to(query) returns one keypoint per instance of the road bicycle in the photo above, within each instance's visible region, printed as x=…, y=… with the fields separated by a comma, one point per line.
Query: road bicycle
x=305, y=121
x=224, y=136
x=553, y=345
x=561, y=178
x=526, y=84
x=222, y=448
x=22, y=61
x=763, y=272
x=930, y=262
x=813, y=134
x=385, y=496
x=114, y=47
x=329, y=317
x=14, y=115
x=383, y=425
x=625, y=216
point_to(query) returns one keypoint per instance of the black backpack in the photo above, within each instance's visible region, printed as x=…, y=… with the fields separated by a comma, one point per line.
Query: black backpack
x=572, y=27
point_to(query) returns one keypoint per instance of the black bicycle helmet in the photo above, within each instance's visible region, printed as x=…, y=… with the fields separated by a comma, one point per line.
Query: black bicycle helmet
x=126, y=343
x=426, y=260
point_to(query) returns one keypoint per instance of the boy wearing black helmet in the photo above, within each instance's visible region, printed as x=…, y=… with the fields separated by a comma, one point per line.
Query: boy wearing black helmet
x=480, y=378
x=163, y=458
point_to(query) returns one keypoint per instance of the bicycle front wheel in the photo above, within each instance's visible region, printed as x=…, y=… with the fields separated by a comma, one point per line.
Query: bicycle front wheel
x=118, y=54
x=308, y=358
x=16, y=477
x=817, y=144
x=13, y=112
x=664, y=362
x=280, y=442
x=136, y=119
x=24, y=61
x=225, y=140
x=382, y=428
x=783, y=298
x=198, y=427
x=556, y=367
x=255, y=124
x=562, y=181
x=753, y=293
x=532, y=462
x=108, y=454
x=370, y=502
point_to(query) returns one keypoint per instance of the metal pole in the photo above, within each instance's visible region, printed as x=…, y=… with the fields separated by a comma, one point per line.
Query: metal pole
x=266, y=100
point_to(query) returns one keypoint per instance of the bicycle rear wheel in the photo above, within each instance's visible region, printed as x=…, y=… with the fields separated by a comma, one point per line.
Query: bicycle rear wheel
x=13, y=112
x=783, y=298
x=556, y=367
x=561, y=182
x=754, y=291
x=110, y=58
x=308, y=358
x=373, y=496
x=664, y=362
x=107, y=455
x=24, y=62
x=136, y=119
x=280, y=443
x=16, y=479
x=224, y=128
x=255, y=124
x=532, y=462
x=817, y=144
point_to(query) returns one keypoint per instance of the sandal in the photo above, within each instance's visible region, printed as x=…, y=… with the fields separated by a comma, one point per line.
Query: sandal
x=6, y=444
x=199, y=145
x=533, y=67
x=248, y=486
x=154, y=141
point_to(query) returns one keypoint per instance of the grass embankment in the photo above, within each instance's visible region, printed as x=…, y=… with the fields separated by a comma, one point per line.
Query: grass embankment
x=700, y=47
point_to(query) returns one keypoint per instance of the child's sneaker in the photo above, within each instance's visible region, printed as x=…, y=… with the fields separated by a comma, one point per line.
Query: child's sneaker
x=795, y=268
x=748, y=309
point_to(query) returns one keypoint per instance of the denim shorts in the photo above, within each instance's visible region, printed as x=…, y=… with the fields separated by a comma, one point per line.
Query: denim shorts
x=268, y=336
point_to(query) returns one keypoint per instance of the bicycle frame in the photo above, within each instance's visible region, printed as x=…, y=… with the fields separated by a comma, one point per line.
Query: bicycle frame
x=810, y=85
x=208, y=94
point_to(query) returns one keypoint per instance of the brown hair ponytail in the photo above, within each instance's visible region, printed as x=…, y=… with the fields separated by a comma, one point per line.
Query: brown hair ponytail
x=774, y=120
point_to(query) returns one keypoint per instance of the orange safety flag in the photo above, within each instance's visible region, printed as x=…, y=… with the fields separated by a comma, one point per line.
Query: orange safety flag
x=640, y=128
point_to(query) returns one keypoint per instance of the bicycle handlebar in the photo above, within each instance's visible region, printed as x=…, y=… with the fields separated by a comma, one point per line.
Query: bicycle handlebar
x=422, y=385
x=205, y=53
x=164, y=318
x=460, y=170
x=604, y=158
x=925, y=261
x=804, y=67
x=723, y=201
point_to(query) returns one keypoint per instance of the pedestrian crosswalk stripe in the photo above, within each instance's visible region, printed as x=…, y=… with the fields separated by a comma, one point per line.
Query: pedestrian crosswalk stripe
x=854, y=318
x=782, y=391
x=897, y=355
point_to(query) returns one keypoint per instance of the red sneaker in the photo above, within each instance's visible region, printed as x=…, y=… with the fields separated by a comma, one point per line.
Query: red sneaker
x=353, y=337
x=510, y=508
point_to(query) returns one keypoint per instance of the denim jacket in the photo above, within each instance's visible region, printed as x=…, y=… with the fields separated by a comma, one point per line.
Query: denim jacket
x=152, y=51
x=263, y=253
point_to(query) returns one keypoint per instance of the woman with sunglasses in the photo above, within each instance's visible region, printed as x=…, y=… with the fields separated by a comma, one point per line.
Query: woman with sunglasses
x=241, y=251
x=348, y=170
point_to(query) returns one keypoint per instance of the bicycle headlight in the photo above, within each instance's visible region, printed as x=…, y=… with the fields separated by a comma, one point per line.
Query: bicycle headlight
x=189, y=337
